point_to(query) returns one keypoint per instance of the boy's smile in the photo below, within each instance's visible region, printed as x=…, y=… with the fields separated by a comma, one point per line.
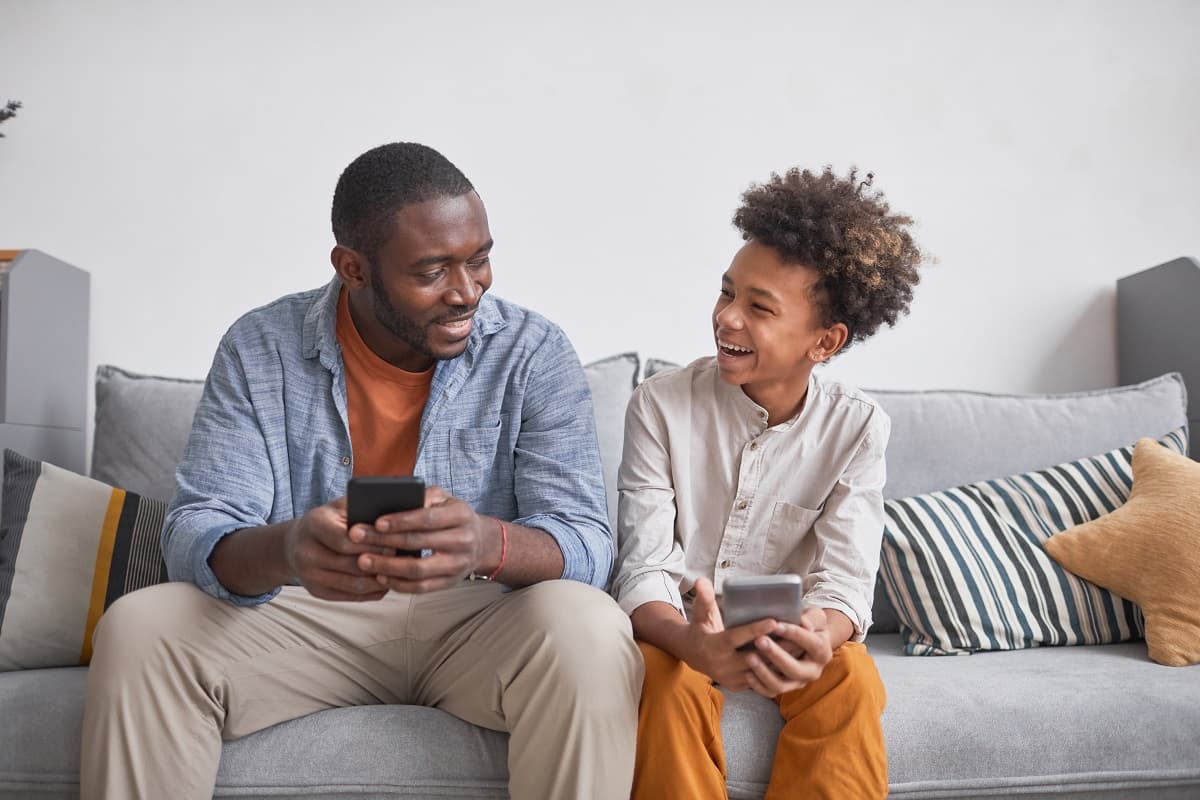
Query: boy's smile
x=769, y=329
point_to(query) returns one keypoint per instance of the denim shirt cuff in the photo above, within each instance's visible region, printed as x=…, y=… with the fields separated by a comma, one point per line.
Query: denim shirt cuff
x=204, y=577
x=579, y=562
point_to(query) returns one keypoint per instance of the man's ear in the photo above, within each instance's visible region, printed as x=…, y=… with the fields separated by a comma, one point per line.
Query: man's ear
x=831, y=341
x=351, y=266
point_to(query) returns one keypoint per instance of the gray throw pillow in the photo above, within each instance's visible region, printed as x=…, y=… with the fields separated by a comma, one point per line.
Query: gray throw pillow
x=142, y=427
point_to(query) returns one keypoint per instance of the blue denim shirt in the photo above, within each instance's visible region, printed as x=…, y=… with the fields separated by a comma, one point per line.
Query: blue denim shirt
x=508, y=428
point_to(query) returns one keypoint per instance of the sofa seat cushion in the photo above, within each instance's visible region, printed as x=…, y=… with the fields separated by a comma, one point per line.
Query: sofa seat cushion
x=1049, y=722
x=1033, y=723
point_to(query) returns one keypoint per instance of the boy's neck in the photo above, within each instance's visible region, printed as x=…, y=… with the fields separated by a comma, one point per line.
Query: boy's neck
x=782, y=399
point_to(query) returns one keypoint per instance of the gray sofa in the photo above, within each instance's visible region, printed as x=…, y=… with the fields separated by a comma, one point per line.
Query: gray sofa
x=1068, y=722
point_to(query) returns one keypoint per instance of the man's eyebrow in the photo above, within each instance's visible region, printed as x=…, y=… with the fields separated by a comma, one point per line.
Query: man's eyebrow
x=429, y=261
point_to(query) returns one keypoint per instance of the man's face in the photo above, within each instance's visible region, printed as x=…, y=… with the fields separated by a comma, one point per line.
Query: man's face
x=426, y=281
x=765, y=321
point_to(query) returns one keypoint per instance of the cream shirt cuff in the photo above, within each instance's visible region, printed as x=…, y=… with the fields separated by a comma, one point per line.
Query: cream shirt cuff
x=860, y=621
x=648, y=587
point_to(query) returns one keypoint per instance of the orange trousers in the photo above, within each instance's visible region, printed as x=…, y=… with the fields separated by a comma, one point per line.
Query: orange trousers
x=831, y=746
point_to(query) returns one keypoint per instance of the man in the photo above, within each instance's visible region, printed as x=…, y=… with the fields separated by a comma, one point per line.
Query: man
x=747, y=463
x=400, y=365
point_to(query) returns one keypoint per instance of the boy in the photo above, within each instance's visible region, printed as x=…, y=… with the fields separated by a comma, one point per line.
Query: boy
x=747, y=464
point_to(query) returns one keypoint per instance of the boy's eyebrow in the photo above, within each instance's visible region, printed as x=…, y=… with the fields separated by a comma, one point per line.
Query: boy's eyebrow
x=754, y=290
x=763, y=293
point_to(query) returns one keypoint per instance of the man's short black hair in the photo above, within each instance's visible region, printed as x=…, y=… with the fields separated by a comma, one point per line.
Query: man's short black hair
x=384, y=180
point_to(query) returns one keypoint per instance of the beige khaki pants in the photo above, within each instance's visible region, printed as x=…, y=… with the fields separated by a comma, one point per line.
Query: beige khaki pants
x=175, y=671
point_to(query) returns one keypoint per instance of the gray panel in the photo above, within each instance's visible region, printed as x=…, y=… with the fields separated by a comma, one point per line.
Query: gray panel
x=62, y=447
x=44, y=317
x=1158, y=326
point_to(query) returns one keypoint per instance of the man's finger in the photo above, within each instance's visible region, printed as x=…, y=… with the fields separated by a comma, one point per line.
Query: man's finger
x=410, y=568
x=449, y=540
x=357, y=586
x=432, y=518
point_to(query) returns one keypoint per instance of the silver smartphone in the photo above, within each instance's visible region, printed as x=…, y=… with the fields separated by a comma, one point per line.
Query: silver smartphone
x=746, y=599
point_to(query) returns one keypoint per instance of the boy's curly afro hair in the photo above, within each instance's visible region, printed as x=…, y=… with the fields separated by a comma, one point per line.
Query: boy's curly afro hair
x=864, y=254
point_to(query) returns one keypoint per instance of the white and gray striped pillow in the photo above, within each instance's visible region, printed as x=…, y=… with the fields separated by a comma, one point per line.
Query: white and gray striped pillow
x=966, y=571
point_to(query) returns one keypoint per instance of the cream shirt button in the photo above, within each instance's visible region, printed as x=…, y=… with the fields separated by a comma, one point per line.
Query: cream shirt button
x=742, y=505
x=754, y=445
x=726, y=564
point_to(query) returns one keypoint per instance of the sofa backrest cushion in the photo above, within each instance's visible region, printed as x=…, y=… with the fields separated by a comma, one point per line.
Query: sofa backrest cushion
x=142, y=427
x=942, y=439
x=143, y=421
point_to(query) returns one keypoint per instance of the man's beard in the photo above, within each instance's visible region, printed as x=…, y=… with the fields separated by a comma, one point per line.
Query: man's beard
x=400, y=326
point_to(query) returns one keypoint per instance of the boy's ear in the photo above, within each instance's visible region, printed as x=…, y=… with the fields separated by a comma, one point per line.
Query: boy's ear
x=833, y=340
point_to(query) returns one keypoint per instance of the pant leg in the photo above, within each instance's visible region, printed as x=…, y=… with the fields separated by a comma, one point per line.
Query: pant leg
x=832, y=746
x=553, y=664
x=679, y=747
x=176, y=670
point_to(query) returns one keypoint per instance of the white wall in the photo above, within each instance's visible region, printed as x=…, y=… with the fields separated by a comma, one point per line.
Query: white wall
x=185, y=154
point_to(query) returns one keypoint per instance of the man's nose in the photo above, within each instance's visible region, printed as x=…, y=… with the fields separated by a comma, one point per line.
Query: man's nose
x=463, y=291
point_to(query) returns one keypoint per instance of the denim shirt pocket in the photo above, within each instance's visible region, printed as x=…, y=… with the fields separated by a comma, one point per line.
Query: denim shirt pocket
x=472, y=455
x=789, y=526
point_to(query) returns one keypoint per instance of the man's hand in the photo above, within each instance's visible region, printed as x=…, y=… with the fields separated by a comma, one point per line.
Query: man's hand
x=713, y=650
x=461, y=541
x=778, y=667
x=321, y=556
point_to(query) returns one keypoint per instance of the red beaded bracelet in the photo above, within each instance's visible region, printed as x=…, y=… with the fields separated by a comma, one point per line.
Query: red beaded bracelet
x=503, y=550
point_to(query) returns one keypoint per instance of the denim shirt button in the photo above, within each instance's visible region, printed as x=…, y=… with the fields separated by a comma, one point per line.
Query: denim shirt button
x=346, y=460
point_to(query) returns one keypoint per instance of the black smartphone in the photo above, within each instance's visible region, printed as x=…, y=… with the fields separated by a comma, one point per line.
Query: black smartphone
x=370, y=497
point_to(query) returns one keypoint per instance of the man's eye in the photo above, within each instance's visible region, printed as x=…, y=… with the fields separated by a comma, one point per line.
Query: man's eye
x=431, y=276
x=479, y=263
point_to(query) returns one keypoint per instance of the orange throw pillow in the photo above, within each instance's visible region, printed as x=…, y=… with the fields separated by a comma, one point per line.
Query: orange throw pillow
x=1148, y=551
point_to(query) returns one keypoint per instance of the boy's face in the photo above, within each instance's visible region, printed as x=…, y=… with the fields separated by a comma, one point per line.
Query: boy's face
x=768, y=330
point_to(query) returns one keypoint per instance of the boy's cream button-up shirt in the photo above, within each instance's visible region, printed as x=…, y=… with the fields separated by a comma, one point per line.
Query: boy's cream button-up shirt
x=706, y=489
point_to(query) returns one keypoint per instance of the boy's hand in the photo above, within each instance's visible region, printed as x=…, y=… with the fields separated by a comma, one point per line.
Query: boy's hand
x=713, y=650
x=777, y=667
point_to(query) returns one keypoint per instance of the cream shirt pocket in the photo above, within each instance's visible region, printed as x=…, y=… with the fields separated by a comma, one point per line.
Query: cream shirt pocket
x=789, y=528
x=472, y=454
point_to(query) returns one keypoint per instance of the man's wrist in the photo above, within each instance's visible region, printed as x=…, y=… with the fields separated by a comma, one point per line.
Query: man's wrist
x=493, y=546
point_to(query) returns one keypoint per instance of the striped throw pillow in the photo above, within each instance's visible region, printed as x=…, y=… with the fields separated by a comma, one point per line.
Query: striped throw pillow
x=966, y=570
x=69, y=547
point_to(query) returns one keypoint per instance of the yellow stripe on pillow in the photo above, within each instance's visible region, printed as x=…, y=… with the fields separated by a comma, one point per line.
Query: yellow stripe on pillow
x=108, y=538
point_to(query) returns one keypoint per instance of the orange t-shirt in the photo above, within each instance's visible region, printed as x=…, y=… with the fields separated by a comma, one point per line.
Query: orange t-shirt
x=384, y=404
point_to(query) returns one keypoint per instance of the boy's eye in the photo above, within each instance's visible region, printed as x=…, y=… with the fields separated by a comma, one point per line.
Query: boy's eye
x=757, y=307
x=727, y=293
